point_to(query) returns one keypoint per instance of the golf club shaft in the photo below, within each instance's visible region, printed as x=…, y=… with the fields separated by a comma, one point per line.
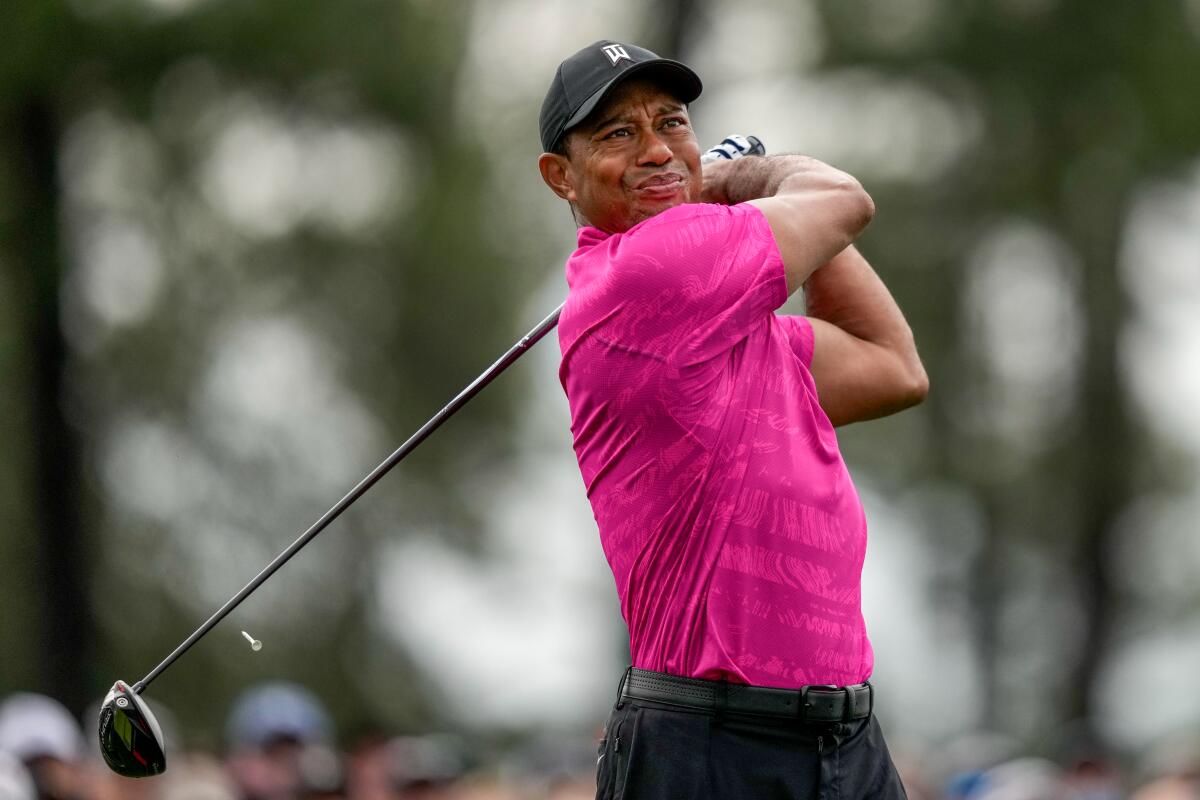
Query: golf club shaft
x=504, y=362
x=753, y=147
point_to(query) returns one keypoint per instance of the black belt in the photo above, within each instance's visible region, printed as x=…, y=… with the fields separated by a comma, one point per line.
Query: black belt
x=806, y=704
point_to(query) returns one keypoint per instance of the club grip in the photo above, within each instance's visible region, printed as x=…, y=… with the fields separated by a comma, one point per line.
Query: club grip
x=732, y=147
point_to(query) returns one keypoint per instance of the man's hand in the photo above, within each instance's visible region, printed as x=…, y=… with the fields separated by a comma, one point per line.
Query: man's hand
x=731, y=148
x=716, y=174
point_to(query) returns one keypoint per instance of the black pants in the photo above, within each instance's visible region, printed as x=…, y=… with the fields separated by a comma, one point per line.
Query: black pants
x=652, y=751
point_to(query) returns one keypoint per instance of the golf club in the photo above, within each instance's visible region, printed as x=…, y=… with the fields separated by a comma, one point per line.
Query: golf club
x=130, y=737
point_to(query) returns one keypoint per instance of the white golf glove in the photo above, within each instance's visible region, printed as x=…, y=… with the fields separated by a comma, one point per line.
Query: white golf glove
x=734, y=146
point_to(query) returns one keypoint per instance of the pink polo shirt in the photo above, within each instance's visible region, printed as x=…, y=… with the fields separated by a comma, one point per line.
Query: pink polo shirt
x=732, y=527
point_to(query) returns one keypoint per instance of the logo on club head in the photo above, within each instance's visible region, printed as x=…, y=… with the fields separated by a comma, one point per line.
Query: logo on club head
x=615, y=53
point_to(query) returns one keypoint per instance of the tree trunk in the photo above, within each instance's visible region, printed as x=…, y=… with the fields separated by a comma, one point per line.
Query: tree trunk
x=65, y=629
x=1105, y=447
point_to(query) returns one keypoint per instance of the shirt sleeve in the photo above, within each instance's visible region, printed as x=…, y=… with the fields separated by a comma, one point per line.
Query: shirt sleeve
x=799, y=332
x=700, y=278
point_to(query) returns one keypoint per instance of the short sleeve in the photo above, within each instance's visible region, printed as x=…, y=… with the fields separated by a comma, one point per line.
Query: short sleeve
x=704, y=276
x=799, y=333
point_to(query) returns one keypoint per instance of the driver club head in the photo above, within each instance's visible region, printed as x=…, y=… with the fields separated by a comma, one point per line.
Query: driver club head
x=130, y=739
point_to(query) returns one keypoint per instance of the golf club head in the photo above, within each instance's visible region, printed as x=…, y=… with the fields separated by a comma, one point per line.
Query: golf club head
x=130, y=739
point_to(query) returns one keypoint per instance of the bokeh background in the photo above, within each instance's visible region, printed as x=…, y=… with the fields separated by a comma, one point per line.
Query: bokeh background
x=247, y=247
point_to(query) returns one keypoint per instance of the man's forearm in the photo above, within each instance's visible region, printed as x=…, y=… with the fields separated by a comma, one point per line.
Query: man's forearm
x=847, y=293
x=864, y=363
x=732, y=182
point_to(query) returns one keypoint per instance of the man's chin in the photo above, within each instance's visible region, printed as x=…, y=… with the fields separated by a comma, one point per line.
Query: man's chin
x=640, y=213
x=648, y=210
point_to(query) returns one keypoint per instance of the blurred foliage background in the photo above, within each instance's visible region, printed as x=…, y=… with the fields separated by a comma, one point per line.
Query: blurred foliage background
x=247, y=247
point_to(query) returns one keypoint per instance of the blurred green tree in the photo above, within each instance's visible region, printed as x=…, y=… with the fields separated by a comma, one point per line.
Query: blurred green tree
x=225, y=226
x=1079, y=104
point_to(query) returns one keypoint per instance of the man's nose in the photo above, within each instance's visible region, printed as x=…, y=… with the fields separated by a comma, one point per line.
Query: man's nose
x=654, y=151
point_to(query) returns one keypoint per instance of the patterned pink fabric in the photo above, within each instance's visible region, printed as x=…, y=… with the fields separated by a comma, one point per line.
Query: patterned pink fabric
x=725, y=510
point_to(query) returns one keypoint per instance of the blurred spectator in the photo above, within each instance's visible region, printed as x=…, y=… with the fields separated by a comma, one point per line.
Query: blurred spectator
x=1020, y=779
x=1091, y=772
x=322, y=776
x=279, y=736
x=369, y=769
x=491, y=788
x=15, y=783
x=577, y=788
x=43, y=735
x=964, y=761
x=1170, y=787
x=912, y=774
x=553, y=765
x=426, y=767
x=1175, y=770
x=196, y=777
x=274, y=711
x=407, y=767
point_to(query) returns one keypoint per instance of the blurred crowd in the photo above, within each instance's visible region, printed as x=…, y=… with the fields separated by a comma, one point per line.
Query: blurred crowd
x=990, y=766
x=280, y=745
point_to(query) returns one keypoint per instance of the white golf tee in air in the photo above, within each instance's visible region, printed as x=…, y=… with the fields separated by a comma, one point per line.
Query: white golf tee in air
x=255, y=644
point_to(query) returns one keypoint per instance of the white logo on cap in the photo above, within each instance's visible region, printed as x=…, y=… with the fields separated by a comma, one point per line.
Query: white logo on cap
x=615, y=53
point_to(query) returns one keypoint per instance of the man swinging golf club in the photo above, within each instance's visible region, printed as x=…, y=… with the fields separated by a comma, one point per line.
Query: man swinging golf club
x=703, y=423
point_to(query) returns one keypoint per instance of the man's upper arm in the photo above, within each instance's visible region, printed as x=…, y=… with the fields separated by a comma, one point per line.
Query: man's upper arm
x=700, y=277
x=814, y=220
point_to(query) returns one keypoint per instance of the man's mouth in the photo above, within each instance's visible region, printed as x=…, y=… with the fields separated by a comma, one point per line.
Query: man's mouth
x=661, y=185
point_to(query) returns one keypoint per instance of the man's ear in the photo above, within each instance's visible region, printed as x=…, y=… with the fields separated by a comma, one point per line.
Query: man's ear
x=556, y=173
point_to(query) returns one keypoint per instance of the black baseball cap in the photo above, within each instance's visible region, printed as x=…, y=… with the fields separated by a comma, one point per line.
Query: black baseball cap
x=586, y=78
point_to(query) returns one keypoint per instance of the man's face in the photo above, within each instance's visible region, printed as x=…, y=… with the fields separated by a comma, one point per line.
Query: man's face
x=633, y=157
